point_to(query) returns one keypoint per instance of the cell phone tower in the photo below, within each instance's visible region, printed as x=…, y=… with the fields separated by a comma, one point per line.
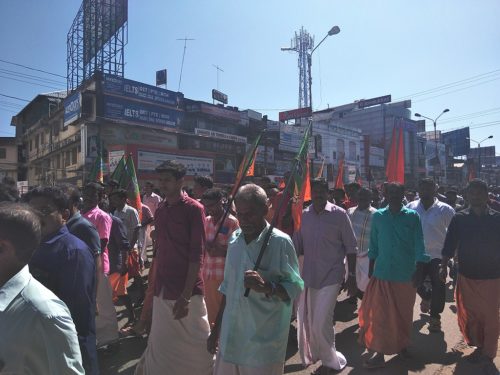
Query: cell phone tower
x=303, y=44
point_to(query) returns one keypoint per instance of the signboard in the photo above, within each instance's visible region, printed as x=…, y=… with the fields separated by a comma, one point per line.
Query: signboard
x=268, y=152
x=114, y=158
x=135, y=135
x=458, y=141
x=101, y=20
x=161, y=77
x=219, y=135
x=374, y=101
x=219, y=96
x=351, y=173
x=196, y=166
x=295, y=113
x=291, y=137
x=72, y=108
x=126, y=88
x=214, y=110
x=126, y=110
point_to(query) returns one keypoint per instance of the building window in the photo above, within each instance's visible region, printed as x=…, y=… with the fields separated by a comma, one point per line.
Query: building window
x=58, y=161
x=67, y=161
x=37, y=141
x=3, y=153
x=340, y=148
x=352, y=150
x=74, y=155
x=318, y=143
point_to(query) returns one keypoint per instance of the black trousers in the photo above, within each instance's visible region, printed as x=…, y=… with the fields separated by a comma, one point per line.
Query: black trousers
x=437, y=295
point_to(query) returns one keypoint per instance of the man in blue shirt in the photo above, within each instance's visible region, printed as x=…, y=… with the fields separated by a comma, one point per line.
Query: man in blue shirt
x=37, y=333
x=397, y=256
x=65, y=265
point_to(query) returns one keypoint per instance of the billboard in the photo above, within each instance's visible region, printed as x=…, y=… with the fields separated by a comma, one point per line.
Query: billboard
x=196, y=166
x=214, y=110
x=72, y=108
x=219, y=96
x=458, y=141
x=374, y=101
x=101, y=20
x=219, y=135
x=291, y=137
x=295, y=113
x=121, y=109
x=126, y=88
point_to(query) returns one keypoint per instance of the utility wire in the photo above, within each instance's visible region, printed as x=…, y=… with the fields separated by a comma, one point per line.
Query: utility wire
x=30, y=68
x=14, y=97
x=31, y=76
x=31, y=83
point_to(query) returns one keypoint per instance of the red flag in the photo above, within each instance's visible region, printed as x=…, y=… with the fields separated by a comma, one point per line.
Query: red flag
x=251, y=168
x=303, y=195
x=339, y=183
x=390, y=170
x=400, y=161
x=133, y=187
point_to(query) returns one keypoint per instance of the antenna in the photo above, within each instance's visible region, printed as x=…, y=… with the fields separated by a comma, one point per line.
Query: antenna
x=218, y=70
x=183, y=55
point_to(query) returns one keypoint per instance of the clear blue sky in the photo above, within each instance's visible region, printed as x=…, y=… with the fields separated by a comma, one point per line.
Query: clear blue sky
x=393, y=47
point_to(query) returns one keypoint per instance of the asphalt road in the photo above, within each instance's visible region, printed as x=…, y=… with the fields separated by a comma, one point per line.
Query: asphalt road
x=431, y=353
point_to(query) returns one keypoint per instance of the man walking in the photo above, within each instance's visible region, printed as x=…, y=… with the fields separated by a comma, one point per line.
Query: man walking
x=474, y=235
x=254, y=331
x=180, y=328
x=435, y=217
x=325, y=238
x=397, y=256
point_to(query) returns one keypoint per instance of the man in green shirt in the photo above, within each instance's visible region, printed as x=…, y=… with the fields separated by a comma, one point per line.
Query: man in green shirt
x=397, y=254
x=254, y=329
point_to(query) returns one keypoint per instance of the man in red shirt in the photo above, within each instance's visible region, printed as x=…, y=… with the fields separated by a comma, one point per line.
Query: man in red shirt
x=180, y=328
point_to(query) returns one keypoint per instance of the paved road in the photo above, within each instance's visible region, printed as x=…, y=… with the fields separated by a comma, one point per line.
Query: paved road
x=432, y=353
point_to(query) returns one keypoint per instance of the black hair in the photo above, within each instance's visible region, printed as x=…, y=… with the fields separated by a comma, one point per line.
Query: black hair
x=427, y=181
x=20, y=226
x=320, y=182
x=214, y=194
x=54, y=193
x=397, y=186
x=120, y=193
x=177, y=169
x=204, y=181
x=478, y=183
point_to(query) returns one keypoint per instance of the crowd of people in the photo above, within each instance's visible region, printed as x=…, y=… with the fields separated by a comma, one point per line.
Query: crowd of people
x=229, y=276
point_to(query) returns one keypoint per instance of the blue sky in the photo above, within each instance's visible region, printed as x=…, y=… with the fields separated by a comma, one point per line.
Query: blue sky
x=441, y=54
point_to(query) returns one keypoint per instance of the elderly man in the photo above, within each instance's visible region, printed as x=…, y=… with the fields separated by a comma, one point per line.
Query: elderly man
x=37, y=333
x=474, y=235
x=397, y=256
x=180, y=328
x=254, y=330
x=324, y=239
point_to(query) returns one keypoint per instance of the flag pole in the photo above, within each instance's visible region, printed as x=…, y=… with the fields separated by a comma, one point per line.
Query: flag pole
x=273, y=221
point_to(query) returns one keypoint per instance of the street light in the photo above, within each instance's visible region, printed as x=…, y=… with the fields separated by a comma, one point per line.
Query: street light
x=435, y=136
x=479, y=151
x=333, y=31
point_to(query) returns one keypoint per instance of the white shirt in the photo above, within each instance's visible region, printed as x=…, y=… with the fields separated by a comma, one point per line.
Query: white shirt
x=435, y=221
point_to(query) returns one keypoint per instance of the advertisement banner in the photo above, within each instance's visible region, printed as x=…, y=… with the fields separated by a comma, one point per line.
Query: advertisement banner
x=291, y=137
x=196, y=166
x=126, y=88
x=219, y=135
x=265, y=151
x=214, y=110
x=127, y=110
x=72, y=108
x=295, y=113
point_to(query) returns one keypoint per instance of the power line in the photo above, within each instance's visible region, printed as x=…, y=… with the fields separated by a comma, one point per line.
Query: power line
x=31, y=83
x=30, y=76
x=14, y=97
x=468, y=116
x=30, y=68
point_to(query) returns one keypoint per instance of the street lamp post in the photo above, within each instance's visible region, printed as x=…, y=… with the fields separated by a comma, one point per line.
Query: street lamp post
x=434, y=121
x=479, y=152
x=333, y=31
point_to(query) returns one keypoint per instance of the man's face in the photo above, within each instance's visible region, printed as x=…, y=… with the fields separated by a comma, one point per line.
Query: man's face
x=477, y=197
x=198, y=190
x=148, y=189
x=319, y=197
x=8, y=260
x=51, y=220
x=426, y=191
x=90, y=198
x=212, y=207
x=169, y=185
x=364, y=199
x=394, y=196
x=251, y=217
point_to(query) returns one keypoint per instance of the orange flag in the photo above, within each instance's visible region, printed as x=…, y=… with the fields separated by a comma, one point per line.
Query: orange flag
x=339, y=183
x=251, y=168
x=390, y=170
x=400, y=161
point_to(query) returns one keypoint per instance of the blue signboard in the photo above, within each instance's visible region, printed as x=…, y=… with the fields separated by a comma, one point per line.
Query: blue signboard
x=72, y=108
x=458, y=140
x=128, y=110
x=134, y=90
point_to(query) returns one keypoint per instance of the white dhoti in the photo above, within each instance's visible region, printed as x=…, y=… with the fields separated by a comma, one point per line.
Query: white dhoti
x=316, y=334
x=177, y=347
x=362, y=268
x=106, y=324
x=225, y=368
x=142, y=243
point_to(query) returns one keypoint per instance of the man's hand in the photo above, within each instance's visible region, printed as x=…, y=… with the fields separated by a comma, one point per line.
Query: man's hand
x=443, y=272
x=254, y=281
x=213, y=341
x=181, y=308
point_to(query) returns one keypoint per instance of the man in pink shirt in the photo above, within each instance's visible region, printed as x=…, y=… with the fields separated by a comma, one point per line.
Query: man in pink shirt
x=106, y=322
x=150, y=198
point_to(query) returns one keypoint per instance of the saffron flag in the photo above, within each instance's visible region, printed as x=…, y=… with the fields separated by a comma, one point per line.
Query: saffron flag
x=120, y=171
x=301, y=180
x=246, y=163
x=97, y=172
x=320, y=172
x=251, y=168
x=390, y=170
x=132, y=186
x=400, y=161
x=339, y=183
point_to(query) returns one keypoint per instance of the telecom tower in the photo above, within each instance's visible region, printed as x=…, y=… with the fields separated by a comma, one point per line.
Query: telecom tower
x=303, y=44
